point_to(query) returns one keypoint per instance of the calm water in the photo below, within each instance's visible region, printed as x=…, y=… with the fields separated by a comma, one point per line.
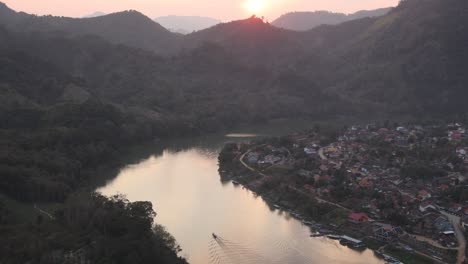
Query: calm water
x=191, y=201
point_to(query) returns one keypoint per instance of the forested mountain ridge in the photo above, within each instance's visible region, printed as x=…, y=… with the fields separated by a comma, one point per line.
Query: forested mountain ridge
x=302, y=21
x=65, y=86
x=74, y=93
x=55, y=132
x=411, y=60
x=129, y=28
x=408, y=61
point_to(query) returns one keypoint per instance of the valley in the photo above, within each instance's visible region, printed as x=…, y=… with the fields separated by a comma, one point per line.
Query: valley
x=78, y=94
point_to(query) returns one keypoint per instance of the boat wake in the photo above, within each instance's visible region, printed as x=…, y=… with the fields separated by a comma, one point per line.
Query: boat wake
x=224, y=251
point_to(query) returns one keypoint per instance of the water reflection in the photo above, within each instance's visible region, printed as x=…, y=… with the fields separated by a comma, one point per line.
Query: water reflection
x=183, y=183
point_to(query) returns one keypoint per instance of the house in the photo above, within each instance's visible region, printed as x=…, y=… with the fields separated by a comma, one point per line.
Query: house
x=455, y=208
x=252, y=157
x=464, y=222
x=402, y=129
x=271, y=159
x=358, y=218
x=365, y=183
x=425, y=206
x=443, y=187
x=454, y=135
x=309, y=151
x=323, y=168
x=423, y=195
x=324, y=192
x=442, y=224
x=305, y=174
x=387, y=232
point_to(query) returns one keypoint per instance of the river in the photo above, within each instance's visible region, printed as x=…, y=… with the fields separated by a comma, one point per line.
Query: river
x=184, y=186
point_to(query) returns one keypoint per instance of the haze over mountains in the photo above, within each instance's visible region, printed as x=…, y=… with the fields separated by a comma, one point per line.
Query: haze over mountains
x=129, y=28
x=186, y=24
x=329, y=55
x=309, y=20
x=367, y=59
x=74, y=92
x=95, y=14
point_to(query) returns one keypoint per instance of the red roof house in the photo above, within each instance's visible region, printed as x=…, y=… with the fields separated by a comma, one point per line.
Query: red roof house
x=358, y=218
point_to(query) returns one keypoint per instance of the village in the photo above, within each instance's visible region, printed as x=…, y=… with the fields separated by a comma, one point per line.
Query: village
x=394, y=186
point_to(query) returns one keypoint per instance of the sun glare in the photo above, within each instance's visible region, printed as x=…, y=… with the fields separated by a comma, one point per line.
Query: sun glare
x=254, y=6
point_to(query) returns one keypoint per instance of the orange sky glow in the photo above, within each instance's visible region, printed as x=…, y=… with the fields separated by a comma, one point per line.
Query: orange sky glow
x=221, y=9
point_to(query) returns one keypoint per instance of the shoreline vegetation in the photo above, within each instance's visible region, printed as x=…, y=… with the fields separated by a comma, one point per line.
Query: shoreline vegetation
x=75, y=93
x=281, y=170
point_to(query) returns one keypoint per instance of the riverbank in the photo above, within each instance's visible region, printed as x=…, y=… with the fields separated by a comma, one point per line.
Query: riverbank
x=323, y=219
x=267, y=168
x=183, y=182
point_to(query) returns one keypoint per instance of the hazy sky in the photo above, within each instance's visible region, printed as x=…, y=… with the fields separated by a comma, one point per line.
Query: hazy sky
x=221, y=9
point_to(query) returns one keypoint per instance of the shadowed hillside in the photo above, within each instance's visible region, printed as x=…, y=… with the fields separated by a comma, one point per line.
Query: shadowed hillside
x=302, y=21
x=75, y=93
x=129, y=28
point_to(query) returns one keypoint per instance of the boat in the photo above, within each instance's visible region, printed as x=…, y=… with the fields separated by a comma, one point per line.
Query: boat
x=378, y=253
x=316, y=235
x=334, y=237
x=358, y=247
x=215, y=236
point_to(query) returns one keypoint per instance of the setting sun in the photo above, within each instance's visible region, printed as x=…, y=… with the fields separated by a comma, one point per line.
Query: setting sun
x=254, y=6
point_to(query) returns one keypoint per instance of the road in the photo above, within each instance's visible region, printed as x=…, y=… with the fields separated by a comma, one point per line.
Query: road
x=51, y=217
x=430, y=241
x=331, y=203
x=322, y=156
x=455, y=220
x=241, y=160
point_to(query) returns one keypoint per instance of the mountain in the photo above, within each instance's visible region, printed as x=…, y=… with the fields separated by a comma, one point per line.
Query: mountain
x=383, y=62
x=412, y=60
x=59, y=91
x=308, y=20
x=252, y=41
x=129, y=28
x=75, y=92
x=95, y=14
x=186, y=24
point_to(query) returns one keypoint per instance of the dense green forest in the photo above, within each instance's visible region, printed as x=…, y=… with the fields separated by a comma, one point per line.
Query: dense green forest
x=89, y=228
x=75, y=93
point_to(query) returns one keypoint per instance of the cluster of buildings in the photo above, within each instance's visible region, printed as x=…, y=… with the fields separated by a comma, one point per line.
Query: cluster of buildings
x=408, y=174
x=399, y=180
x=267, y=156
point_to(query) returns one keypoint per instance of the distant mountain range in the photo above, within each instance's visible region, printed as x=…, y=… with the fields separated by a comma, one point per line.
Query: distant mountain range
x=410, y=60
x=107, y=81
x=129, y=28
x=74, y=91
x=308, y=20
x=186, y=24
x=95, y=14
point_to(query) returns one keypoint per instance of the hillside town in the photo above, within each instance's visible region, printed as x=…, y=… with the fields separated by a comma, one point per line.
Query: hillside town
x=398, y=189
